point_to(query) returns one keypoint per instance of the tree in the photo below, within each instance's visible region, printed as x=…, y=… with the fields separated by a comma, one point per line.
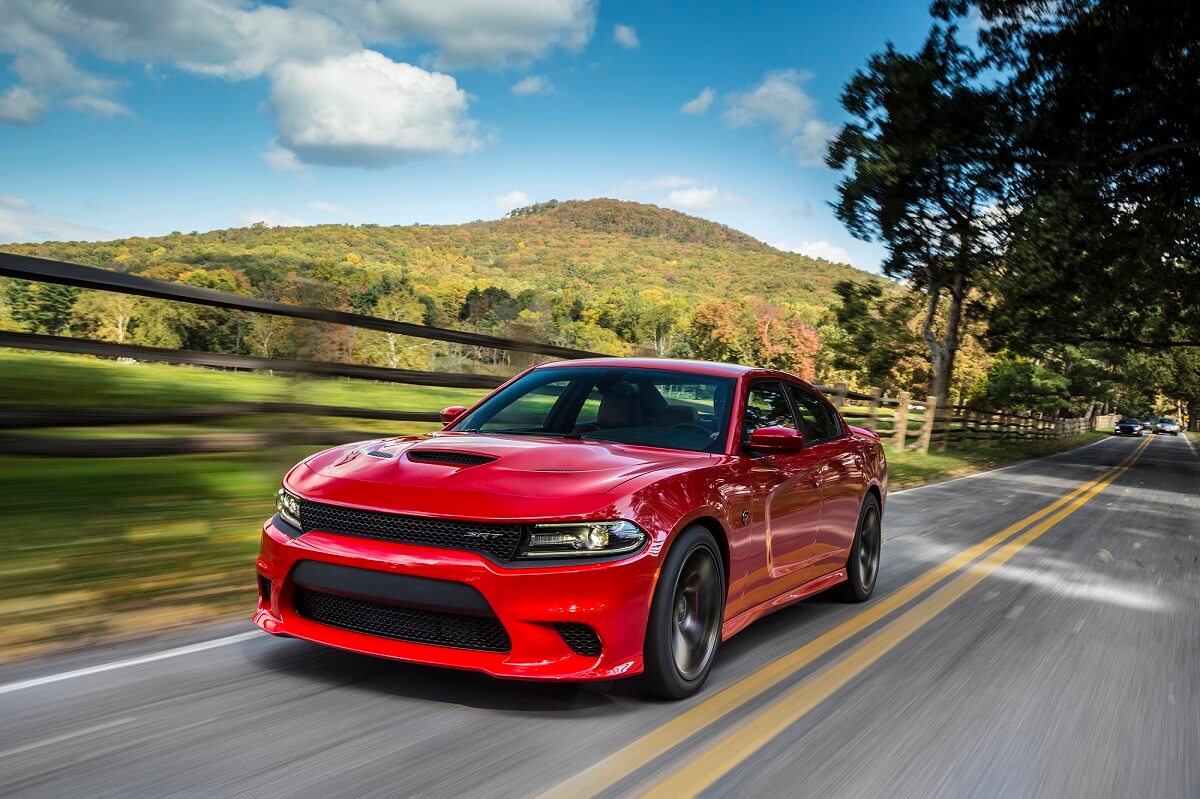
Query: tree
x=875, y=331
x=924, y=176
x=716, y=334
x=1020, y=384
x=108, y=314
x=783, y=342
x=1103, y=246
x=41, y=307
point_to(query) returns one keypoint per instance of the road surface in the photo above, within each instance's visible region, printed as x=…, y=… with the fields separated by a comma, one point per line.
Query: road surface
x=1034, y=633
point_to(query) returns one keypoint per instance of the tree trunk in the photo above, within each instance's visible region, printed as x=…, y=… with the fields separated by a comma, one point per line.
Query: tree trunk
x=942, y=353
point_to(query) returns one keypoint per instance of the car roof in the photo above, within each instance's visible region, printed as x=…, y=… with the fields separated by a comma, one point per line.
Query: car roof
x=664, y=364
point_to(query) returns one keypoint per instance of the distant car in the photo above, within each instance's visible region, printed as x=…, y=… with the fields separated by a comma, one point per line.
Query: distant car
x=1167, y=425
x=586, y=521
x=1129, y=427
x=1148, y=423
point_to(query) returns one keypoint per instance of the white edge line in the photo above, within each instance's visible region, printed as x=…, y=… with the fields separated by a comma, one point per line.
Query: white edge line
x=1188, y=438
x=34, y=682
x=16, y=750
x=988, y=472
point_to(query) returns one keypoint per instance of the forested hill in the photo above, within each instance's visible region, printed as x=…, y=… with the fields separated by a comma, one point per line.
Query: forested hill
x=600, y=274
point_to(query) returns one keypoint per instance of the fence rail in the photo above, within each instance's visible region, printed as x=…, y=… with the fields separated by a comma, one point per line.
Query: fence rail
x=903, y=422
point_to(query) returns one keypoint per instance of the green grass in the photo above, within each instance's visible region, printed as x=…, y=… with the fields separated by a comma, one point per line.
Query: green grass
x=95, y=548
x=908, y=469
x=73, y=381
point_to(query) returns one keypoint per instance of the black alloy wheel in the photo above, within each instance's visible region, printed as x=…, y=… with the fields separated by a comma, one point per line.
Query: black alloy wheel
x=862, y=567
x=684, y=628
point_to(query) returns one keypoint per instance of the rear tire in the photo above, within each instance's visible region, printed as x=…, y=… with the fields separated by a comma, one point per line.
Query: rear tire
x=862, y=566
x=684, y=629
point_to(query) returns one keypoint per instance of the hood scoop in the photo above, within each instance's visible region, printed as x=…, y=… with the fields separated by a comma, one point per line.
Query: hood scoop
x=448, y=457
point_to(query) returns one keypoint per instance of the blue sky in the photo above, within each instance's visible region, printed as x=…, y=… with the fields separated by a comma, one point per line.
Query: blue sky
x=157, y=115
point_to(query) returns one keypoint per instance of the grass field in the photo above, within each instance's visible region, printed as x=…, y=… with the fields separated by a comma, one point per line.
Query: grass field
x=102, y=548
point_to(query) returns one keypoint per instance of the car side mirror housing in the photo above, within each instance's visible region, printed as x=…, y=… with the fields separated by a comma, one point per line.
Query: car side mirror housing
x=776, y=440
x=452, y=413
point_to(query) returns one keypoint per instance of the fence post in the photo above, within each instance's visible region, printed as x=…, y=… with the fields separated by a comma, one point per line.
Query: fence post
x=944, y=439
x=927, y=425
x=873, y=408
x=839, y=394
x=900, y=422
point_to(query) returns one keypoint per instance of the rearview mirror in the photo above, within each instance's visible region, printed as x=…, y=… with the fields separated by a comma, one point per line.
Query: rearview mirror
x=776, y=440
x=452, y=413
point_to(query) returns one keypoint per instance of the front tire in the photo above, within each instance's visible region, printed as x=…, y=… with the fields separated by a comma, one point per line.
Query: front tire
x=686, y=614
x=862, y=567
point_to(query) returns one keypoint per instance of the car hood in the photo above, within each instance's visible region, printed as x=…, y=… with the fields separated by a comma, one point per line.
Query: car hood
x=481, y=476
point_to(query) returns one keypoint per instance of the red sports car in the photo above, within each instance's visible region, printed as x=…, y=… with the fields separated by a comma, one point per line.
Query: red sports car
x=587, y=520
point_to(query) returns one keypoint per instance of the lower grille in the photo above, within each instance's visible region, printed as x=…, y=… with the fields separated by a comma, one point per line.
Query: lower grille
x=581, y=638
x=403, y=624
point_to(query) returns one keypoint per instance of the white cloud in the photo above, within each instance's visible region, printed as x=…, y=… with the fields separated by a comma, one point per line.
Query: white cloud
x=282, y=159
x=669, y=182
x=818, y=249
x=22, y=222
x=695, y=197
x=367, y=110
x=780, y=102
x=700, y=103
x=270, y=218
x=471, y=32
x=224, y=38
x=511, y=200
x=335, y=101
x=326, y=208
x=20, y=106
x=100, y=106
x=534, y=84
x=626, y=36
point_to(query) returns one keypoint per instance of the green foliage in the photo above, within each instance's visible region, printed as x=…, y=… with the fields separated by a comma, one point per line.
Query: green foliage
x=923, y=159
x=40, y=307
x=877, y=332
x=1020, y=384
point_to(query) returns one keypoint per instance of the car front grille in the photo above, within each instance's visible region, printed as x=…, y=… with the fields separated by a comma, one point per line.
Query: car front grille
x=581, y=638
x=456, y=630
x=498, y=540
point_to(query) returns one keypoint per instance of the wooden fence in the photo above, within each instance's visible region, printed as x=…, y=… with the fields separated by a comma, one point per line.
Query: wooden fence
x=905, y=423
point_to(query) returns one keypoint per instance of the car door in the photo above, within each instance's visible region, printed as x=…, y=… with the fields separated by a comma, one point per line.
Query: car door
x=787, y=501
x=840, y=474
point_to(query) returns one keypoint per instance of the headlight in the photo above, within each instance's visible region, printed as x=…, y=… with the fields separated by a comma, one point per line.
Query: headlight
x=288, y=505
x=582, y=539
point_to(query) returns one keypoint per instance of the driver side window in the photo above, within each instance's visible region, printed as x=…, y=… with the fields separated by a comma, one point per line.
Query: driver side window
x=766, y=406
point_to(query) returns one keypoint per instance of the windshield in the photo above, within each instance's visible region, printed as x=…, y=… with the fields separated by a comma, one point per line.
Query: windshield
x=648, y=407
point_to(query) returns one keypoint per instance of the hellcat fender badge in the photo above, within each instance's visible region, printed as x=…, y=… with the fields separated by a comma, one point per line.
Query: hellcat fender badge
x=746, y=516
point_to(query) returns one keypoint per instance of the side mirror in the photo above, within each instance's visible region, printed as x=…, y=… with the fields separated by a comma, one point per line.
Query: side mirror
x=776, y=440
x=452, y=413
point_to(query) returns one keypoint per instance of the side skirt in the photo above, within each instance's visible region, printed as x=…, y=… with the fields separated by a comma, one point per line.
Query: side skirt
x=739, y=622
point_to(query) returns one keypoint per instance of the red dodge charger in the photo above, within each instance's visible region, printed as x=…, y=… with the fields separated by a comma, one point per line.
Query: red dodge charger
x=585, y=521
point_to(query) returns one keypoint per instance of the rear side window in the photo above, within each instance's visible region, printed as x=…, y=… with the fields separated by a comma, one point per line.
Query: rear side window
x=817, y=420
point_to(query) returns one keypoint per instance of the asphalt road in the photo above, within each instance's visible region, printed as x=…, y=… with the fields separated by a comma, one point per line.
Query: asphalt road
x=1063, y=663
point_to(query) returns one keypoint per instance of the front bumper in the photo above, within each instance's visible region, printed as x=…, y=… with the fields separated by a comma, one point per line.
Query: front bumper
x=611, y=598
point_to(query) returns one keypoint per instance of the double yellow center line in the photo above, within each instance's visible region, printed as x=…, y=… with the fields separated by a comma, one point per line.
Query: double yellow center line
x=728, y=750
